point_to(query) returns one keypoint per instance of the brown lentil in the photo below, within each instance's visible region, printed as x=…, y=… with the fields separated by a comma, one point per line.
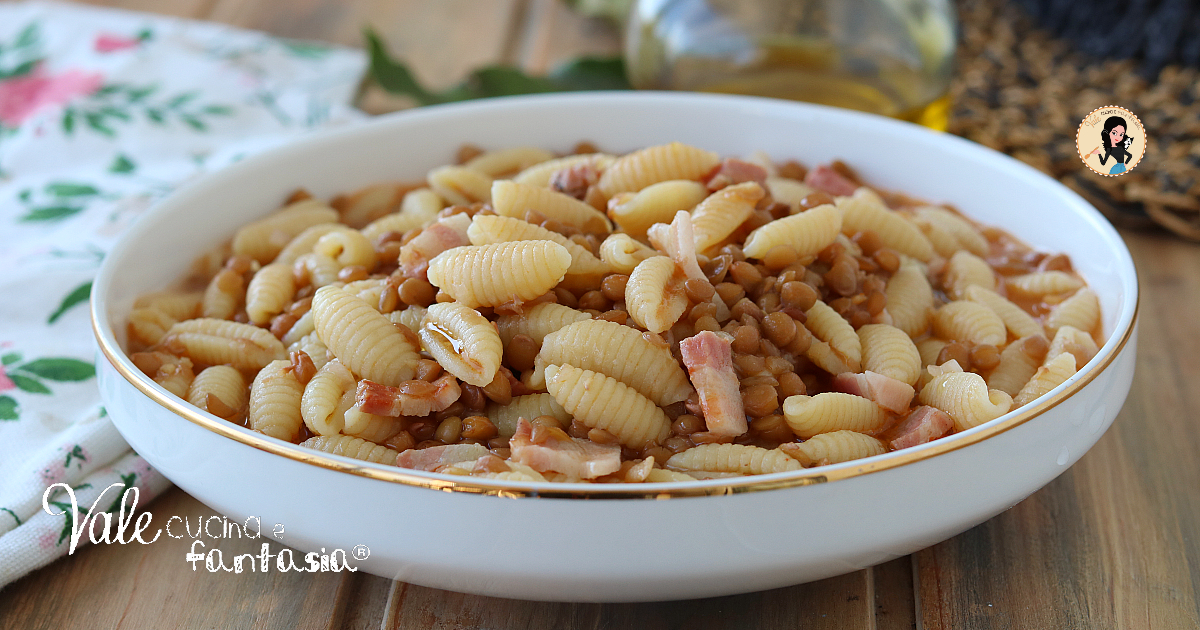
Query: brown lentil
x=449, y=430
x=749, y=364
x=613, y=286
x=428, y=370
x=687, y=424
x=478, y=428
x=594, y=300
x=745, y=274
x=472, y=397
x=801, y=342
x=888, y=259
x=499, y=390
x=401, y=442
x=745, y=340
x=745, y=307
x=876, y=302
x=790, y=384
x=955, y=351
x=799, y=295
x=730, y=293
x=985, y=356
x=677, y=444
x=352, y=273
x=282, y=323
x=779, y=328
x=814, y=199
x=565, y=297
x=418, y=292
x=303, y=366
x=772, y=427
x=698, y=291
x=659, y=453
x=707, y=322
x=389, y=299
x=842, y=277
x=422, y=430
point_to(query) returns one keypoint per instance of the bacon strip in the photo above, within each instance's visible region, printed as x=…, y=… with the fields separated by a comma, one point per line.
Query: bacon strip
x=709, y=360
x=446, y=233
x=411, y=398
x=555, y=451
x=923, y=425
x=679, y=242
x=434, y=458
x=885, y=391
x=825, y=178
x=734, y=171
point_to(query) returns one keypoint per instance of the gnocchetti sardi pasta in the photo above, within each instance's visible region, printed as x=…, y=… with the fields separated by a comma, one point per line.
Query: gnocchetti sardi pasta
x=518, y=315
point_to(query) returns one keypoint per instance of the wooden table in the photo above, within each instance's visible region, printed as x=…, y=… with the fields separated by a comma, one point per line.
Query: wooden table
x=1112, y=543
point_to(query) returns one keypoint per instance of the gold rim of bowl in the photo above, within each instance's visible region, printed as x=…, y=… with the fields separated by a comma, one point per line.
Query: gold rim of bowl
x=736, y=485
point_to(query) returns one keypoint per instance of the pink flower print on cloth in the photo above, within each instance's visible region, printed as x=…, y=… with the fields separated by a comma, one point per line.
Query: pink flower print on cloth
x=21, y=97
x=108, y=42
x=5, y=382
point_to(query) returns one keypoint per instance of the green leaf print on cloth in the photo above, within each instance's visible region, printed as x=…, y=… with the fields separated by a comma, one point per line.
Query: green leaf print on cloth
x=8, y=408
x=118, y=103
x=30, y=378
x=58, y=200
x=79, y=295
x=60, y=369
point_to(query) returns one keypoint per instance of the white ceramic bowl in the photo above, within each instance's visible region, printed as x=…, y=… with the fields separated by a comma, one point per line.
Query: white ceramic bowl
x=612, y=543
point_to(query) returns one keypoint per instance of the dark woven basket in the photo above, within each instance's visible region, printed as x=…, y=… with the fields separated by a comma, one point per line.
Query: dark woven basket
x=1020, y=90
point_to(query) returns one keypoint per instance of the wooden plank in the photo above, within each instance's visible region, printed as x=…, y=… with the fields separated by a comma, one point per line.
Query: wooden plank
x=441, y=41
x=840, y=602
x=895, y=607
x=1111, y=543
x=361, y=602
x=152, y=586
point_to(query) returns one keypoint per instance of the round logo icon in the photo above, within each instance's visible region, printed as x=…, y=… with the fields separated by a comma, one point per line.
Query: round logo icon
x=1111, y=140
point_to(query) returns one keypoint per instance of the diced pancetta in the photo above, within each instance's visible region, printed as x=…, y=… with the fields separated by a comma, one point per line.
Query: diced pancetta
x=709, y=360
x=825, y=178
x=436, y=457
x=446, y=233
x=734, y=171
x=411, y=398
x=549, y=450
x=885, y=391
x=923, y=425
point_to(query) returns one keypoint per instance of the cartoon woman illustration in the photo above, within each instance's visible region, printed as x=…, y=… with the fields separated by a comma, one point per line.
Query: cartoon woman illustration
x=1115, y=144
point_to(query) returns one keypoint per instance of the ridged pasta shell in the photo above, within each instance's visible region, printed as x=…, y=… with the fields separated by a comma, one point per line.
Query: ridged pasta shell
x=832, y=411
x=364, y=341
x=491, y=275
x=620, y=352
x=965, y=397
x=637, y=170
x=603, y=402
x=654, y=294
x=864, y=210
x=737, y=458
x=511, y=199
x=464, y=342
x=489, y=229
x=808, y=232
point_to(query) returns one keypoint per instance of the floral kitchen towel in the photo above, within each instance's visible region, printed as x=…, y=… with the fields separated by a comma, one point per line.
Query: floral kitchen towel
x=102, y=113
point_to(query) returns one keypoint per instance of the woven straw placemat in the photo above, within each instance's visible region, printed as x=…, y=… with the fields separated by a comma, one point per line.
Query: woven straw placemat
x=1018, y=90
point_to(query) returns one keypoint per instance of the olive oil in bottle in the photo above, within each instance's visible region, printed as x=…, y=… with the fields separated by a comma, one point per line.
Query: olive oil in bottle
x=880, y=56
